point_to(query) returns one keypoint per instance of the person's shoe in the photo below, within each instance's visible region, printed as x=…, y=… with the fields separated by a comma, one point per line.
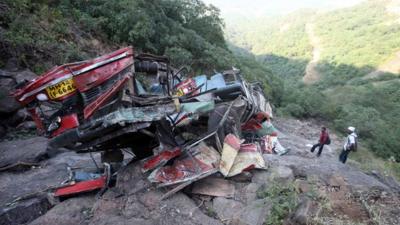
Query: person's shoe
x=318, y=155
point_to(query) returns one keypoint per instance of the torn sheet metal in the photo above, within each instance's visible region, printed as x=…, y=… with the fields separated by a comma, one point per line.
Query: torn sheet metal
x=201, y=80
x=229, y=152
x=213, y=186
x=249, y=157
x=160, y=159
x=81, y=182
x=198, y=107
x=81, y=187
x=138, y=114
x=187, y=168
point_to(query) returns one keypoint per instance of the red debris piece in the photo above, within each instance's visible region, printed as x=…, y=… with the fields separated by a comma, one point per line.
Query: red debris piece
x=188, y=168
x=81, y=187
x=160, y=159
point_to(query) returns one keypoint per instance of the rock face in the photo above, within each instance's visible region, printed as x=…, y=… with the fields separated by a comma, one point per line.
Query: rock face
x=71, y=211
x=8, y=81
x=30, y=150
x=302, y=213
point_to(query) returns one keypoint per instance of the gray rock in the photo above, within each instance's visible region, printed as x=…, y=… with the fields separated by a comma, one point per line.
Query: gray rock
x=71, y=211
x=235, y=212
x=242, y=177
x=261, y=176
x=251, y=192
x=302, y=213
x=24, y=75
x=227, y=209
x=30, y=150
x=282, y=174
x=25, y=211
x=255, y=213
x=7, y=103
x=17, y=118
x=8, y=80
x=27, y=125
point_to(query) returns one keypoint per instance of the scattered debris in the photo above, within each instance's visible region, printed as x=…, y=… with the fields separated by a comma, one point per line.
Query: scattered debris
x=81, y=182
x=184, y=128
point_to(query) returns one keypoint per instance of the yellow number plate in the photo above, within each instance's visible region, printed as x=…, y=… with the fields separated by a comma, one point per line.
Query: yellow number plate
x=61, y=89
x=180, y=92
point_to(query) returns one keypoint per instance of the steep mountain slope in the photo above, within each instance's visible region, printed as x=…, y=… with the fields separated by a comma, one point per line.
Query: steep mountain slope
x=356, y=62
x=281, y=43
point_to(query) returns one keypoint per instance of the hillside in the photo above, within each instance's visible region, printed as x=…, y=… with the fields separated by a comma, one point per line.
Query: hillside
x=298, y=188
x=39, y=35
x=350, y=55
x=293, y=188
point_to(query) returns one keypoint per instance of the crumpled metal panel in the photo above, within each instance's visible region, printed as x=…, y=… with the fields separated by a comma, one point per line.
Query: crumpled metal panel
x=138, y=114
x=229, y=152
x=160, y=159
x=249, y=157
x=198, y=107
x=187, y=168
x=262, y=103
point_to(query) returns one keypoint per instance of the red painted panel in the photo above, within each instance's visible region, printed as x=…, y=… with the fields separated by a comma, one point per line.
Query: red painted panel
x=67, y=122
x=97, y=76
x=80, y=187
x=105, y=71
x=160, y=159
x=89, y=110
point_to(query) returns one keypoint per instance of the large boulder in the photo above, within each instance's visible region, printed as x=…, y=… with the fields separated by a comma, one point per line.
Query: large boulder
x=227, y=209
x=8, y=81
x=72, y=211
x=302, y=214
x=31, y=150
x=234, y=212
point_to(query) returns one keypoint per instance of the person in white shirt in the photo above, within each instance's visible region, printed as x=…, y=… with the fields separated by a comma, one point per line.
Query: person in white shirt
x=349, y=145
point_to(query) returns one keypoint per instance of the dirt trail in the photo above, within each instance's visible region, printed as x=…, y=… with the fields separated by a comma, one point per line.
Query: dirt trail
x=312, y=75
x=390, y=66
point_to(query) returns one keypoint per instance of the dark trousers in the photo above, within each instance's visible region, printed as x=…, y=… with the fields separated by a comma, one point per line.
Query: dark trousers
x=321, y=146
x=343, y=156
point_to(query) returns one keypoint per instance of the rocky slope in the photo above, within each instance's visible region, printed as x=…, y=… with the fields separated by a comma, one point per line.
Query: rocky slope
x=318, y=190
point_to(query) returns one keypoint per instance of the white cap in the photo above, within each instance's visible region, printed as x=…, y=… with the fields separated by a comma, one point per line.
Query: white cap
x=352, y=129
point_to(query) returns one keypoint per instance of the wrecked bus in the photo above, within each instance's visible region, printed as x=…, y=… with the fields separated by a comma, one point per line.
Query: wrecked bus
x=124, y=101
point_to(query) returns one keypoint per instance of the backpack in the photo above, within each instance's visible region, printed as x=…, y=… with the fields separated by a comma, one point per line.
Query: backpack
x=328, y=140
x=354, y=147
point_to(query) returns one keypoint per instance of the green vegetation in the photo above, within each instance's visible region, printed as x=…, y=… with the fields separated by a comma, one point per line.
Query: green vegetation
x=280, y=43
x=354, y=42
x=366, y=161
x=283, y=199
x=41, y=34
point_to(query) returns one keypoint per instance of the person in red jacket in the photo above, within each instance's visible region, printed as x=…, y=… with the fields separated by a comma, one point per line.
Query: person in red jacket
x=323, y=139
